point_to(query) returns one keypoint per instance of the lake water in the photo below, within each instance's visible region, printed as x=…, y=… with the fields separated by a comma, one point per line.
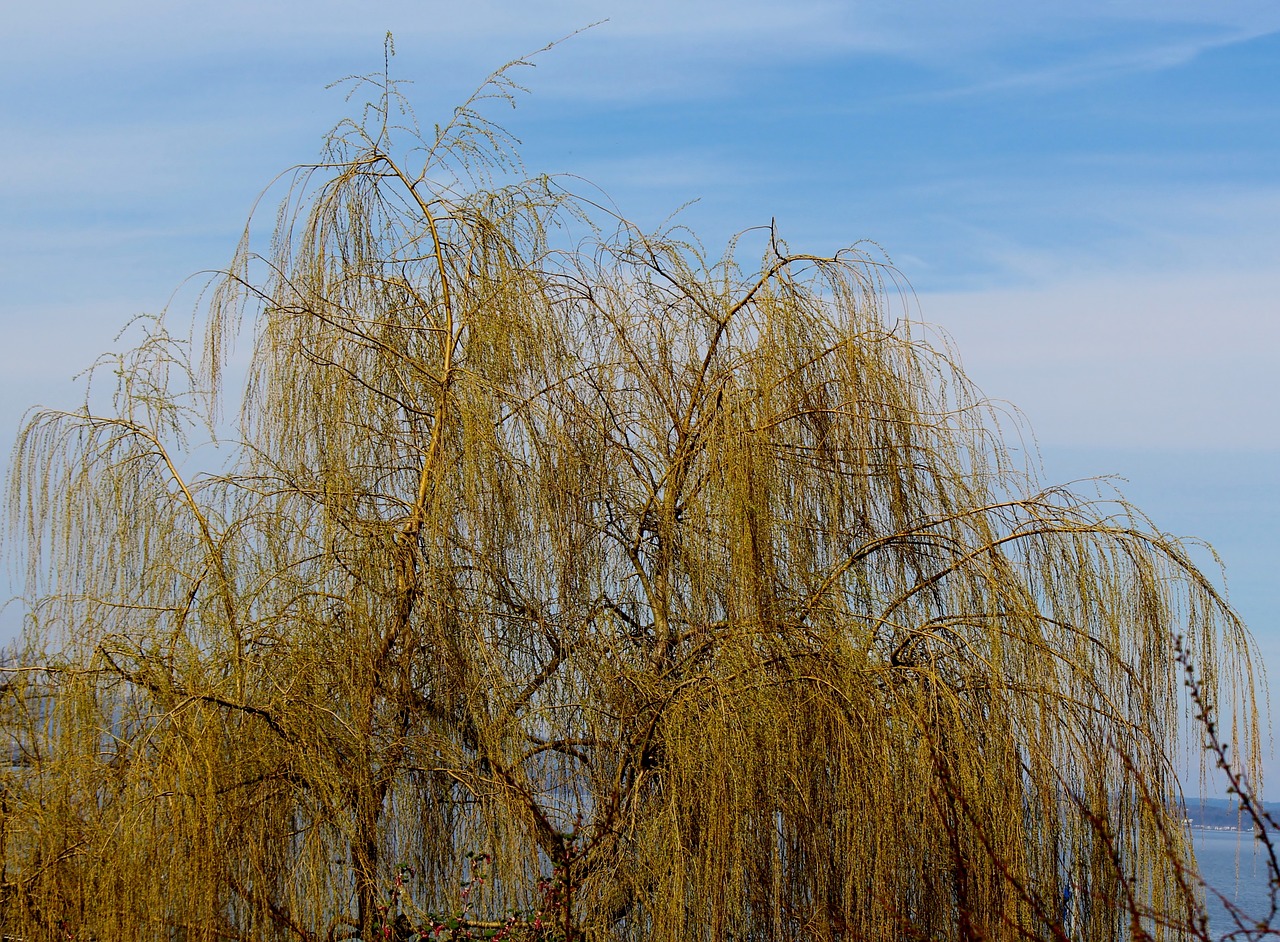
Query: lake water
x=1233, y=864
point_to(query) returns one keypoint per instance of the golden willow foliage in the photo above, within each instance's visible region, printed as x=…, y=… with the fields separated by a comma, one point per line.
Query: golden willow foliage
x=701, y=598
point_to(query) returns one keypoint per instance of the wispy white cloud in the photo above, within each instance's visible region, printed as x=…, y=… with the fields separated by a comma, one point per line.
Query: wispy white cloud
x=660, y=45
x=1151, y=359
x=987, y=228
x=1084, y=69
x=931, y=27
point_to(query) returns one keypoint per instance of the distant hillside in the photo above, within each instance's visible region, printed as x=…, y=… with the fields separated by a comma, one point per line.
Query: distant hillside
x=1218, y=813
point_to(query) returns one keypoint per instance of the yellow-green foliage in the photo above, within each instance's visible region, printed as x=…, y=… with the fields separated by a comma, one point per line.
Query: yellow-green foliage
x=708, y=586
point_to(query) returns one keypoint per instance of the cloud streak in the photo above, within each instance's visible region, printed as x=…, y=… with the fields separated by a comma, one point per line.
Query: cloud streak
x=1159, y=360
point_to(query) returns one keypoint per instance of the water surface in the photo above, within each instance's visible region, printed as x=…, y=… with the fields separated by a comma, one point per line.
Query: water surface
x=1233, y=863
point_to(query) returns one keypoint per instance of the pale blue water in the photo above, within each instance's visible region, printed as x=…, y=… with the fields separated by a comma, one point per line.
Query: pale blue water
x=1233, y=864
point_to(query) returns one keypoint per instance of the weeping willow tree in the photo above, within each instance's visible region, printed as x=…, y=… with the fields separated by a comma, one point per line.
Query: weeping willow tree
x=578, y=590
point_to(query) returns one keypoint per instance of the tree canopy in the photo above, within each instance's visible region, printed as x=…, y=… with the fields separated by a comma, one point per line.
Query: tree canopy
x=565, y=582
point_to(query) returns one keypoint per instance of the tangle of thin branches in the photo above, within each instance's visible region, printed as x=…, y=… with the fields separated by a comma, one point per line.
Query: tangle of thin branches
x=696, y=595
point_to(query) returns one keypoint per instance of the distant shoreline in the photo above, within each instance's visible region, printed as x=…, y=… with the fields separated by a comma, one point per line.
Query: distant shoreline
x=1217, y=814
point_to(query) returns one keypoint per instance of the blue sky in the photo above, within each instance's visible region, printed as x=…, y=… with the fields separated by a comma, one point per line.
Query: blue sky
x=1085, y=196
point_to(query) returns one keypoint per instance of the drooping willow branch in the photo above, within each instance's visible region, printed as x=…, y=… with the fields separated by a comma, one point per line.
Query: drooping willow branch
x=704, y=588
